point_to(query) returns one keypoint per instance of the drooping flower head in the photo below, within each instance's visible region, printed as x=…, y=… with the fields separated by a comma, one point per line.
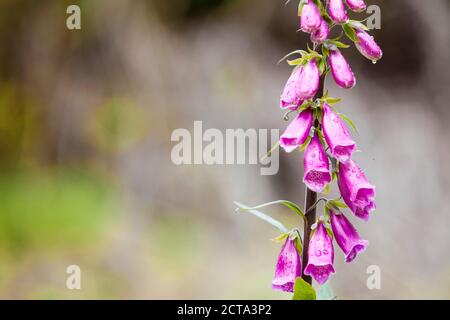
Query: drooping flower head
x=346, y=236
x=320, y=255
x=309, y=80
x=356, y=5
x=316, y=166
x=337, y=135
x=289, y=98
x=357, y=192
x=288, y=267
x=337, y=11
x=310, y=17
x=367, y=46
x=297, y=132
x=342, y=73
x=321, y=34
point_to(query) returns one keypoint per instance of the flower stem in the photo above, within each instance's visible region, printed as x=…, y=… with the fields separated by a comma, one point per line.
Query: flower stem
x=310, y=201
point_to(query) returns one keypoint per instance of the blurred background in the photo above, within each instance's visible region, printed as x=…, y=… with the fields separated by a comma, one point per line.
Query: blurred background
x=85, y=171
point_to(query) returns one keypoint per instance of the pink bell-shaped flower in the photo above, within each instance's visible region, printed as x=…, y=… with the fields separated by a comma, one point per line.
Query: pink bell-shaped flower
x=337, y=135
x=337, y=11
x=357, y=192
x=310, y=17
x=316, y=166
x=297, y=132
x=320, y=255
x=346, y=236
x=288, y=267
x=342, y=73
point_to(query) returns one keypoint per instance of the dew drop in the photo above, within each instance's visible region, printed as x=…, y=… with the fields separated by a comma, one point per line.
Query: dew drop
x=374, y=61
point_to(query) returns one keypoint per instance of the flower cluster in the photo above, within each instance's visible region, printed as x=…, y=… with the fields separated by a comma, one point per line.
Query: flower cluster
x=320, y=131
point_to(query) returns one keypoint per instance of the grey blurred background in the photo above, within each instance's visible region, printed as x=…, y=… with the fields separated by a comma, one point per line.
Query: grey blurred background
x=85, y=171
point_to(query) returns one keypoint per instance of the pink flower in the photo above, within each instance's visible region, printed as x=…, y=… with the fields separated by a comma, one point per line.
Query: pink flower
x=320, y=255
x=297, y=132
x=357, y=192
x=289, y=98
x=322, y=33
x=310, y=18
x=346, y=236
x=288, y=267
x=309, y=80
x=356, y=5
x=337, y=11
x=367, y=46
x=337, y=135
x=342, y=73
x=316, y=166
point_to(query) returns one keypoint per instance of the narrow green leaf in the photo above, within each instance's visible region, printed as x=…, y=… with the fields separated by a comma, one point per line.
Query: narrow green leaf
x=281, y=237
x=268, y=154
x=295, y=62
x=300, y=7
x=289, y=204
x=358, y=25
x=349, y=121
x=303, y=146
x=350, y=32
x=300, y=52
x=303, y=290
x=331, y=100
x=327, y=190
x=277, y=224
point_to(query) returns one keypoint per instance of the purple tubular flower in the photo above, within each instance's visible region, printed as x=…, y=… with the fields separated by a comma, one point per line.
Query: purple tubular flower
x=346, y=236
x=356, y=5
x=342, y=73
x=297, y=132
x=357, y=192
x=320, y=255
x=288, y=267
x=367, y=46
x=289, y=98
x=322, y=33
x=310, y=18
x=309, y=80
x=337, y=11
x=316, y=166
x=337, y=135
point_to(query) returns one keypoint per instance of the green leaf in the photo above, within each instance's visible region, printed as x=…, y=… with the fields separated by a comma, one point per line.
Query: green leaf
x=263, y=217
x=322, y=65
x=303, y=290
x=331, y=204
x=275, y=146
x=325, y=293
x=300, y=52
x=285, y=203
x=358, y=25
x=341, y=45
x=331, y=100
x=300, y=7
x=281, y=237
x=349, y=121
x=327, y=190
x=350, y=32
x=304, y=145
x=295, y=62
